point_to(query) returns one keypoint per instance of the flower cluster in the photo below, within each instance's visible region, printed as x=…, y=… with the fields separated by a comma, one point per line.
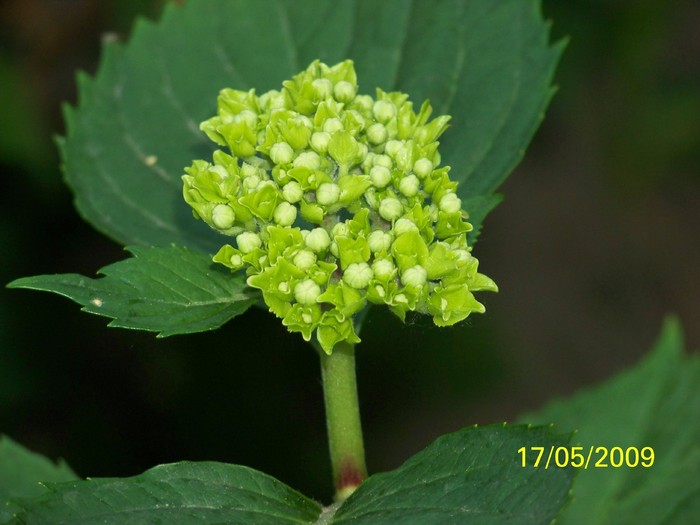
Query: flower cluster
x=336, y=199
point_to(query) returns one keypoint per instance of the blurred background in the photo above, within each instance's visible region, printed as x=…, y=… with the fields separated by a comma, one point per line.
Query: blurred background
x=596, y=242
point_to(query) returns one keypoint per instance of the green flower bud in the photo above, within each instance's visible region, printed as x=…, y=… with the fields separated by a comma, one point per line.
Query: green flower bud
x=384, y=161
x=423, y=167
x=223, y=216
x=292, y=192
x=380, y=176
x=355, y=166
x=304, y=259
x=358, y=275
x=318, y=240
x=340, y=229
x=328, y=193
x=281, y=153
x=320, y=140
x=403, y=226
x=450, y=203
x=377, y=133
x=379, y=241
x=392, y=147
x=308, y=159
x=285, y=214
x=414, y=276
x=323, y=88
x=248, y=241
x=409, y=185
x=344, y=91
x=383, y=269
x=332, y=125
x=384, y=110
x=306, y=292
x=363, y=103
x=390, y=209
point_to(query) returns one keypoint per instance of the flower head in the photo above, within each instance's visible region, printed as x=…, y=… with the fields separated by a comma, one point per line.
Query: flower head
x=336, y=200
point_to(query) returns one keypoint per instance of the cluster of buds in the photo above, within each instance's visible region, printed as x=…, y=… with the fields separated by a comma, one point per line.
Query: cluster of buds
x=336, y=199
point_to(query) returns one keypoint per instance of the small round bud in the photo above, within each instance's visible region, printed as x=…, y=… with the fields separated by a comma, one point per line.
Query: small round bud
x=307, y=159
x=285, y=214
x=292, y=192
x=304, y=259
x=392, y=147
x=364, y=102
x=380, y=176
x=384, y=161
x=323, y=87
x=403, y=226
x=362, y=150
x=328, y=193
x=450, y=203
x=379, y=241
x=358, y=275
x=344, y=91
x=223, y=216
x=248, y=170
x=377, y=133
x=390, y=209
x=248, y=241
x=318, y=240
x=414, y=276
x=236, y=260
x=383, y=268
x=423, y=167
x=306, y=292
x=332, y=125
x=251, y=182
x=340, y=229
x=409, y=185
x=320, y=140
x=384, y=110
x=281, y=153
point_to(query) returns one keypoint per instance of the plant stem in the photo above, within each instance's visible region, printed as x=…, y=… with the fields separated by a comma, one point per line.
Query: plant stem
x=343, y=419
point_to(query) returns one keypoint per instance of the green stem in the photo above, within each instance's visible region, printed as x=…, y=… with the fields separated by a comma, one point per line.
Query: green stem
x=343, y=419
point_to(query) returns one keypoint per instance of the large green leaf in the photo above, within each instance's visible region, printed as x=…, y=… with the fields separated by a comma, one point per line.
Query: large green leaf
x=167, y=290
x=22, y=471
x=471, y=476
x=181, y=493
x=656, y=404
x=486, y=63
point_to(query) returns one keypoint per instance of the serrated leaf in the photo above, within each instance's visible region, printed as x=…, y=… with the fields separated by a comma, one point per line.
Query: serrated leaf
x=167, y=290
x=656, y=404
x=471, y=476
x=136, y=125
x=181, y=493
x=22, y=471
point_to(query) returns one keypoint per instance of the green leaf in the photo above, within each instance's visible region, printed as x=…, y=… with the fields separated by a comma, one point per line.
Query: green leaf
x=21, y=472
x=167, y=290
x=656, y=404
x=471, y=476
x=136, y=125
x=181, y=493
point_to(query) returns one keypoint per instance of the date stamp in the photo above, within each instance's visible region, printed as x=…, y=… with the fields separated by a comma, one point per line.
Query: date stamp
x=586, y=457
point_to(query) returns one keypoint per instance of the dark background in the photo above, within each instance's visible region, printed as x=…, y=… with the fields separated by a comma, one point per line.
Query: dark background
x=595, y=243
